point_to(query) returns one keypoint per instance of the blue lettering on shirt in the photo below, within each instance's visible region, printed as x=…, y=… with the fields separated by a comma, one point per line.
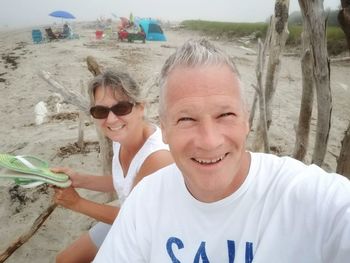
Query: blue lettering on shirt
x=248, y=252
x=231, y=251
x=169, y=248
x=201, y=255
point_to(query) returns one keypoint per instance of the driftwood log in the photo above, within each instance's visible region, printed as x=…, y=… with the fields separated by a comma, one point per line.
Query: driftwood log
x=260, y=91
x=314, y=19
x=262, y=102
x=106, y=149
x=69, y=96
x=255, y=100
x=307, y=98
x=80, y=141
x=252, y=110
x=278, y=41
x=26, y=236
x=93, y=66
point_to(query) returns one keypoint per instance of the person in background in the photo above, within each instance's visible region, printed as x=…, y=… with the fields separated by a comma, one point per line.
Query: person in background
x=220, y=202
x=118, y=108
x=67, y=31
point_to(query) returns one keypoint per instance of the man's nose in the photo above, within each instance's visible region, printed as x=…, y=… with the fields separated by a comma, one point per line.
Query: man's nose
x=209, y=135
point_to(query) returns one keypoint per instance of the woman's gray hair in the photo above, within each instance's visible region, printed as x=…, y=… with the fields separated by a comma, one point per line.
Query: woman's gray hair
x=120, y=82
x=194, y=53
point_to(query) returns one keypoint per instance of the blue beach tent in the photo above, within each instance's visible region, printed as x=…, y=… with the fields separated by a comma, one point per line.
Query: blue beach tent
x=152, y=29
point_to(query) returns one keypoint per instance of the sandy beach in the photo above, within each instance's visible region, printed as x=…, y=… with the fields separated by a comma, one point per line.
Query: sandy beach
x=22, y=88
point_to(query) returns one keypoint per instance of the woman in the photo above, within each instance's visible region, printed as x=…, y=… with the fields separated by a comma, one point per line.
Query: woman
x=118, y=109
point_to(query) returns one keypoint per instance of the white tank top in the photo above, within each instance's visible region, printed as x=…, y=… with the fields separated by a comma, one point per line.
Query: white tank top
x=123, y=184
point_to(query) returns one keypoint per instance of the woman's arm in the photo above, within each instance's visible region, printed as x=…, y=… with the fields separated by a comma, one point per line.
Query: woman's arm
x=102, y=183
x=69, y=198
x=153, y=162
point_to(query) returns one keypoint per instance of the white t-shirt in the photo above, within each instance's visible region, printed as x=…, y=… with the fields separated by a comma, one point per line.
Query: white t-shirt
x=284, y=212
x=123, y=184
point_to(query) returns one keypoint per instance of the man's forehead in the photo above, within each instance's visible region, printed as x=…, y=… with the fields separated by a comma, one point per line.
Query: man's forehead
x=202, y=81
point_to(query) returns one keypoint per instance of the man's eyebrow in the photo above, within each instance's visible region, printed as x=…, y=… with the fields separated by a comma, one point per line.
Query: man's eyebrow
x=227, y=107
x=186, y=110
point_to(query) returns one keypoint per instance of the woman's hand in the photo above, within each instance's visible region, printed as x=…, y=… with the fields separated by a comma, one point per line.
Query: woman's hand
x=102, y=183
x=75, y=177
x=67, y=197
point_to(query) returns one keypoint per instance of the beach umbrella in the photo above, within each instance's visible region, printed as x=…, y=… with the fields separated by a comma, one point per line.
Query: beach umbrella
x=62, y=14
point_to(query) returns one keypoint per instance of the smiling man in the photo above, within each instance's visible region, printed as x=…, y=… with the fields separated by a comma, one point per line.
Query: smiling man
x=219, y=202
x=205, y=123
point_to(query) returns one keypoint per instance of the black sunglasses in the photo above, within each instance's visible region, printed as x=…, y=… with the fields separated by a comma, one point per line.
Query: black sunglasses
x=119, y=109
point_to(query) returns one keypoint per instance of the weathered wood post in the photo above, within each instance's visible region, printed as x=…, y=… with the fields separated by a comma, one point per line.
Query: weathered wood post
x=260, y=91
x=106, y=150
x=314, y=19
x=307, y=98
x=278, y=40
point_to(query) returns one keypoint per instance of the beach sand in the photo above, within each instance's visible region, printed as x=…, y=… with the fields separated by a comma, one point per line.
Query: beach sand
x=54, y=140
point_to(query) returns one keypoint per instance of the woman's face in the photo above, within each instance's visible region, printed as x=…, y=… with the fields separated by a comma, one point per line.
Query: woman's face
x=117, y=128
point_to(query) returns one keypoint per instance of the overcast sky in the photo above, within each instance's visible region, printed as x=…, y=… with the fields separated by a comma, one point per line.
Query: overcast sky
x=19, y=13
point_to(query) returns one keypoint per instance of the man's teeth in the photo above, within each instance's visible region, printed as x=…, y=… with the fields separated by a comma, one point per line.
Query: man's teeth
x=204, y=161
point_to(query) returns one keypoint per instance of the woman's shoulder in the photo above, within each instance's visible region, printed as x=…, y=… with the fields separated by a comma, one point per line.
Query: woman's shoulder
x=155, y=140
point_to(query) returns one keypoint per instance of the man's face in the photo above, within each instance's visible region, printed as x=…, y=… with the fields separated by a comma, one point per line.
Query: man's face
x=205, y=125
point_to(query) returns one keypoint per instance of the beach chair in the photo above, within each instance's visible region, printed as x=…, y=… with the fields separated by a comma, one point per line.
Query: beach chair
x=37, y=36
x=108, y=33
x=50, y=34
x=69, y=34
x=99, y=34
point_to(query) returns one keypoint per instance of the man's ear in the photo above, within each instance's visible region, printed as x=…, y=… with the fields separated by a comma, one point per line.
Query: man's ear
x=162, y=127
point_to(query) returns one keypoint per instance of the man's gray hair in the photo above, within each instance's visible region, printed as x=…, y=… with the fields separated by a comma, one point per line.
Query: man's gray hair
x=194, y=53
x=120, y=82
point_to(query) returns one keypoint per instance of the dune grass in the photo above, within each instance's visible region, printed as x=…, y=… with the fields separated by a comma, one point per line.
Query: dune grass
x=226, y=28
x=335, y=36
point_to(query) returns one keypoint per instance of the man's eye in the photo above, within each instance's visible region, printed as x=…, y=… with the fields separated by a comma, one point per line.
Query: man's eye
x=185, y=119
x=227, y=114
